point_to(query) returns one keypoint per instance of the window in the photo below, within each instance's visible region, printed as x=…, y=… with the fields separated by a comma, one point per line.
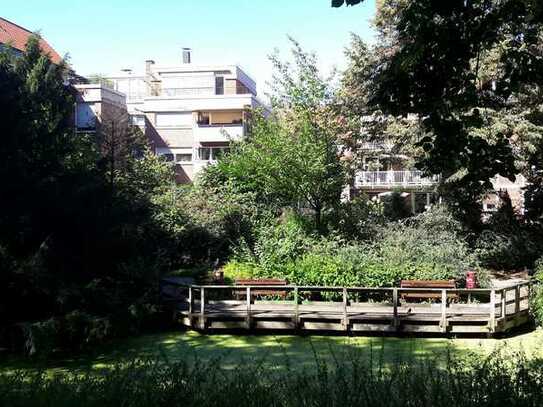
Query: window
x=183, y=158
x=219, y=85
x=85, y=118
x=212, y=153
x=203, y=118
x=174, y=119
x=168, y=157
x=138, y=120
x=204, y=153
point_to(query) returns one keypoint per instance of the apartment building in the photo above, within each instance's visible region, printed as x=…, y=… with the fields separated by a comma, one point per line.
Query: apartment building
x=384, y=171
x=190, y=113
x=98, y=106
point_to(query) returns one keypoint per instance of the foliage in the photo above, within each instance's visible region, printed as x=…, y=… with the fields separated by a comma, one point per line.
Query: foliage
x=350, y=380
x=426, y=247
x=395, y=207
x=507, y=243
x=536, y=300
x=291, y=158
x=358, y=218
x=476, y=100
x=84, y=230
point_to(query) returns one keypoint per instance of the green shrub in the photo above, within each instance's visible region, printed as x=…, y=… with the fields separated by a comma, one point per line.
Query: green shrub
x=536, y=305
x=357, y=219
x=427, y=247
x=238, y=270
x=40, y=338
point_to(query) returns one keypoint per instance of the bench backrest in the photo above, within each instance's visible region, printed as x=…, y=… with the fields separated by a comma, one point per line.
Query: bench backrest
x=428, y=284
x=263, y=281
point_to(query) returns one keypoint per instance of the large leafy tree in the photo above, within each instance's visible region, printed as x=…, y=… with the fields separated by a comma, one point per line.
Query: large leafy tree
x=463, y=68
x=292, y=158
x=72, y=247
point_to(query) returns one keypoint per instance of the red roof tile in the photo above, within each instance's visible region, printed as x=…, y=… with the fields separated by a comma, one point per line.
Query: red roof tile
x=17, y=37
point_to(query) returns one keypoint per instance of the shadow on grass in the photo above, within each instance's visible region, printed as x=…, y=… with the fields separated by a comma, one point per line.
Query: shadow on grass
x=276, y=352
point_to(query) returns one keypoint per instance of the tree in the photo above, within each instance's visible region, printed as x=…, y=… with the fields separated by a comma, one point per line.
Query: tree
x=461, y=67
x=84, y=232
x=293, y=157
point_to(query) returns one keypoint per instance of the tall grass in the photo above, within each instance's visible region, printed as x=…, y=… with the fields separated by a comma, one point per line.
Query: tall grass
x=350, y=381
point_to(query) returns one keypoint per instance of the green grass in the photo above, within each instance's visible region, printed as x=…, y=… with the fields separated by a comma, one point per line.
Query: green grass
x=277, y=351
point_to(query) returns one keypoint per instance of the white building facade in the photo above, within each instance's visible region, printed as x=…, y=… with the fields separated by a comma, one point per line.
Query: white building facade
x=190, y=113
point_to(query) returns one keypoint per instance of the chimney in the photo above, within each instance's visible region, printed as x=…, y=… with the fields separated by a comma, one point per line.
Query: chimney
x=148, y=64
x=186, y=55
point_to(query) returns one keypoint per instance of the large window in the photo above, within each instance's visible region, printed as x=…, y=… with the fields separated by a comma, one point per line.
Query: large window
x=174, y=119
x=212, y=153
x=219, y=85
x=86, y=118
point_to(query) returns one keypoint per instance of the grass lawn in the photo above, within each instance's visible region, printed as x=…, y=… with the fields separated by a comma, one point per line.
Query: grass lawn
x=278, y=351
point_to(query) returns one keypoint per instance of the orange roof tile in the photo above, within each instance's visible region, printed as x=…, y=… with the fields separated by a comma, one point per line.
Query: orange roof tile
x=17, y=37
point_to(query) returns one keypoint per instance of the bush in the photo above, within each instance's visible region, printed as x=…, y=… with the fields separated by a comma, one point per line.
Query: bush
x=427, y=247
x=536, y=305
x=238, y=270
x=359, y=218
x=395, y=207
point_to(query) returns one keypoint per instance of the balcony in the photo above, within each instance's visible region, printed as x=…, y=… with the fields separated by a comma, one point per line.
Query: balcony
x=218, y=132
x=377, y=146
x=393, y=179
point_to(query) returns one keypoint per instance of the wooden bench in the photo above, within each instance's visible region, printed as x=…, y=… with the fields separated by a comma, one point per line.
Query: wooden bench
x=263, y=282
x=422, y=284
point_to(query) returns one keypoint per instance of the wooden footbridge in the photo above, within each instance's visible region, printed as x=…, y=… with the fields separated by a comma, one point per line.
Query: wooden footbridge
x=354, y=309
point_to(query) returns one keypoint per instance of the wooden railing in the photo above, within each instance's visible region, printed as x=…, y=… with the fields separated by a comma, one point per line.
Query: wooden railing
x=457, y=310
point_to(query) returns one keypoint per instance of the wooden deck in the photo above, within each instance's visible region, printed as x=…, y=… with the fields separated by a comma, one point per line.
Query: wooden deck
x=353, y=309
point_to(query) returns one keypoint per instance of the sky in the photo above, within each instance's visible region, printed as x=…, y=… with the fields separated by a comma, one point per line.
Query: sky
x=105, y=36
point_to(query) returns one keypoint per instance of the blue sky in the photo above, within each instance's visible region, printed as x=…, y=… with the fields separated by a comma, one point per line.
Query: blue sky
x=103, y=36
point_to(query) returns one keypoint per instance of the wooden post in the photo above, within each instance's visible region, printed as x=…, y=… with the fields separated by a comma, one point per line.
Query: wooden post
x=492, y=319
x=202, y=308
x=296, y=309
x=443, y=311
x=345, y=318
x=517, y=299
x=503, y=304
x=396, y=319
x=248, y=317
x=190, y=301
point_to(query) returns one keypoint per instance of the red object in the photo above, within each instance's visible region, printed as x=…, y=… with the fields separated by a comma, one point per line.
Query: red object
x=471, y=279
x=16, y=37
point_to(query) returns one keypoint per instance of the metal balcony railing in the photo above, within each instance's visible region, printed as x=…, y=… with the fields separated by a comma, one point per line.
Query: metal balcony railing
x=374, y=179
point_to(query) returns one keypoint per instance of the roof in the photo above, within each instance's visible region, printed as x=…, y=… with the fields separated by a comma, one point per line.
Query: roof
x=16, y=36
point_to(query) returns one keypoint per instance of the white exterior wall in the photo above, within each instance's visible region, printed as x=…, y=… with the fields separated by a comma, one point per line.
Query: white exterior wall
x=90, y=101
x=185, y=90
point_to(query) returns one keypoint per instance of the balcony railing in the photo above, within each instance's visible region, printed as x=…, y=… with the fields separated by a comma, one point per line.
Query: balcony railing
x=375, y=179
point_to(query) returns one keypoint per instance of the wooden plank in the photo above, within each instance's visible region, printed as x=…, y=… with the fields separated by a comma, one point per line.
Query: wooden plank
x=443, y=322
x=492, y=318
x=248, y=300
x=273, y=324
x=503, y=307
x=360, y=327
x=395, y=319
x=296, y=309
x=227, y=324
x=517, y=299
x=202, y=308
x=345, y=317
x=191, y=300
x=322, y=326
